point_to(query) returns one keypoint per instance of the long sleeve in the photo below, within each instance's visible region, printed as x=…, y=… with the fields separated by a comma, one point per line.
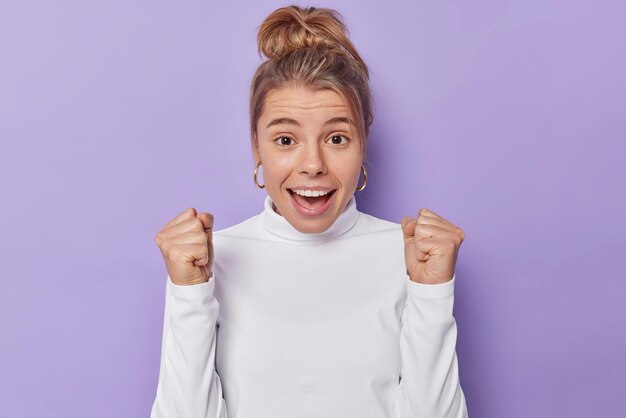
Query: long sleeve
x=429, y=386
x=189, y=386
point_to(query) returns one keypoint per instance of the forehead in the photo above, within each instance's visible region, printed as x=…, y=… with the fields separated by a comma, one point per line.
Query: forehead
x=303, y=101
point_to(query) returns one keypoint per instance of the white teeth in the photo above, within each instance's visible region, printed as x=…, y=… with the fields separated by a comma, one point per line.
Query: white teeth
x=311, y=193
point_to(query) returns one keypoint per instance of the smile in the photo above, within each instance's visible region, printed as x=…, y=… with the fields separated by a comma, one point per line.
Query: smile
x=311, y=202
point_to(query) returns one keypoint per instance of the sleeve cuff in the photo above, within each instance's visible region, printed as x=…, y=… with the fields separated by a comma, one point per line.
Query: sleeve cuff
x=194, y=291
x=431, y=291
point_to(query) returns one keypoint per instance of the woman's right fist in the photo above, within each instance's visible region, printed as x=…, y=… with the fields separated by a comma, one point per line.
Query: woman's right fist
x=186, y=243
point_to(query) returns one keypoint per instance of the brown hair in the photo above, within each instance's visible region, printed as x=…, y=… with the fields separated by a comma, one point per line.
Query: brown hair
x=309, y=47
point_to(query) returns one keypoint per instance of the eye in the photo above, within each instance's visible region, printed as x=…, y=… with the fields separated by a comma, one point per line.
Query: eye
x=335, y=138
x=281, y=142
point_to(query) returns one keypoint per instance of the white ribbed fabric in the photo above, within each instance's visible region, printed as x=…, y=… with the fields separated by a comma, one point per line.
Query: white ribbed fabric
x=295, y=325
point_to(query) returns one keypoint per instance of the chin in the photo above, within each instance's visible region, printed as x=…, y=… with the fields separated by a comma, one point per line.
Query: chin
x=312, y=227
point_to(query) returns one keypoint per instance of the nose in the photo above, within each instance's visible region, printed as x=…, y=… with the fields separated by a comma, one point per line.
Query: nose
x=312, y=161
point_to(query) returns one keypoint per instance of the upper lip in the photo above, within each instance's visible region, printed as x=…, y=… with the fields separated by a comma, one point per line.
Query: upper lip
x=321, y=188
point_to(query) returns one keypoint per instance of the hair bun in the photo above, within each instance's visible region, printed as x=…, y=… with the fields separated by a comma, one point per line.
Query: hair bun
x=292, y=27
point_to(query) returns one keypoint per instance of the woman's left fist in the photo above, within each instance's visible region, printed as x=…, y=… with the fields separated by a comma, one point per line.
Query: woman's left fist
x=431, y=247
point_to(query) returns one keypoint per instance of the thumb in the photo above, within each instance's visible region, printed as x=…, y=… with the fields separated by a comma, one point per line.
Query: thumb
x=207, y=221
x=408, y=231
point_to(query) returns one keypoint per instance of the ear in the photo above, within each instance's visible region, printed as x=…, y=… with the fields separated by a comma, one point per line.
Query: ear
x=255, y=149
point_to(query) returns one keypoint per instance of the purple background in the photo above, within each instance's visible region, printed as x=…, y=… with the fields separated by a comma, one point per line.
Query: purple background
x=505, y=117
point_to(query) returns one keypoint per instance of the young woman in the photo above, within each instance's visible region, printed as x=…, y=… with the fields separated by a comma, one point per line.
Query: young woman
x=310, y=308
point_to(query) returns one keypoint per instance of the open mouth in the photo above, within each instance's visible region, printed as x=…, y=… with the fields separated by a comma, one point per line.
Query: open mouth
x=311, y=203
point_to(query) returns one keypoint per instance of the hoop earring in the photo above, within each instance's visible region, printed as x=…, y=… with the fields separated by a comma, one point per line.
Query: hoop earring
x=256, y=170
x=364, y=179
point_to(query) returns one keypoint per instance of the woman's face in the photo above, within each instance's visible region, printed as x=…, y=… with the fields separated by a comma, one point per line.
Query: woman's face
x=305, y=142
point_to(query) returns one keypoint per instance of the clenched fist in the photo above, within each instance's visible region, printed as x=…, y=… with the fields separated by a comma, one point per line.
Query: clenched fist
x=186, y=243
x=431, y=247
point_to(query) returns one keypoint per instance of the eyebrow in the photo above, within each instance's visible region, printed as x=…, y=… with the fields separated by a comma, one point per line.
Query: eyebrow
x=290, y=121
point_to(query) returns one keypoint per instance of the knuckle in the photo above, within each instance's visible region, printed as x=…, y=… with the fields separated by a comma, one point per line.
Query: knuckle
x=165, y=247
x=197, y=224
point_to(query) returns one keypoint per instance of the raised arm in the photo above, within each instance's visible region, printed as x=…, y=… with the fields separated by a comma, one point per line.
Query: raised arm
x=429, y=385
x=189, y=386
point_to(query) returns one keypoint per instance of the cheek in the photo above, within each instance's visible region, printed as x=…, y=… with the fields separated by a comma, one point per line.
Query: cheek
x=347, y=171
x=354, y=175
x=277, y=168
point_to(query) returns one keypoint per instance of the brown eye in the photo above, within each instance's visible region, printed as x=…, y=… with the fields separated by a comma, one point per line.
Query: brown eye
x=336, y=139
x=283, y=140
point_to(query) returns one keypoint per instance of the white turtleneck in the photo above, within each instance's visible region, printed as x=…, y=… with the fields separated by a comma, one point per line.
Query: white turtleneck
x=295, y=325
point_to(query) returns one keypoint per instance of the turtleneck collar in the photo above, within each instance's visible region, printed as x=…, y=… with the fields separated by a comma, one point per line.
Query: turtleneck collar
x=278, y=225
